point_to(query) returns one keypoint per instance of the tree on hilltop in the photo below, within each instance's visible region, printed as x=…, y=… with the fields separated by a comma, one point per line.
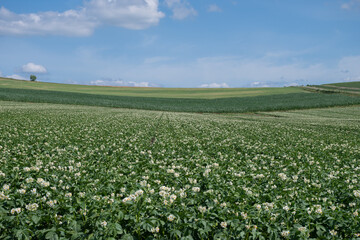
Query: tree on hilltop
x=32, y=78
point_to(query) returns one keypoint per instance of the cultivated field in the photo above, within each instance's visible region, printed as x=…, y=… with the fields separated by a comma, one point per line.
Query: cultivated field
x=196, y=93
x=79, y=172
x=347, y=84
x=349, y=88
x=247, y=101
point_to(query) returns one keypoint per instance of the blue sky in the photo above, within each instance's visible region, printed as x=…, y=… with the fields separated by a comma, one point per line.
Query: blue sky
x=181, y=43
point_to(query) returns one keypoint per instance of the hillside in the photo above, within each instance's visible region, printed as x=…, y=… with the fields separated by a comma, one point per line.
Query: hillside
x=201, y=93
x=346, y=84
x=349, y=88
x=272, y=99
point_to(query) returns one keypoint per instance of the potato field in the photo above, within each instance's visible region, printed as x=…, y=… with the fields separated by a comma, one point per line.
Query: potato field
x=79, y=172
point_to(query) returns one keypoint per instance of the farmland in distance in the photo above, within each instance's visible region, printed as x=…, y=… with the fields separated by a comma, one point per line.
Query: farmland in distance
x=194, y=93
x=174, y=100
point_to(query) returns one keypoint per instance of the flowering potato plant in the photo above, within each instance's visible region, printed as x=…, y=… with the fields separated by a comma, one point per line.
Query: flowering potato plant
x=70, y=172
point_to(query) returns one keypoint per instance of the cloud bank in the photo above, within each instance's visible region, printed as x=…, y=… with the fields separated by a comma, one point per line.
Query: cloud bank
x=214, y=85
x=122, y=83
x=15, y=76
x=181, y=9
x=241, y=72
x=131, y=14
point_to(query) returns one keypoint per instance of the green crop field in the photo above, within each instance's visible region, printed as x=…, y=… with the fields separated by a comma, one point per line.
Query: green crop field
x=201, y=93
x=349, y=88
x=347, y=84
x=178, y=100
x=221, y=105
x=80, y=172
x=340, y=89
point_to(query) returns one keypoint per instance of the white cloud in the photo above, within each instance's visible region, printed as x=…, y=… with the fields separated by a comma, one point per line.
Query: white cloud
x=33, y=68
x=276, y=84
x=131, y=14
x=71, y=23
x=259, y=84
x=214, y=85
x=214, y=8
x=111, y=82
x=352, y=4
x=181, y=9
x=294, y=84
x=1, y=74
x=15, y=76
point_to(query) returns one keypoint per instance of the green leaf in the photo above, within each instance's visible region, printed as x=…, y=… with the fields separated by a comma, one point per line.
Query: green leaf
x=52, y=236
x=119, y=228
x=127, y=237
x=187, y=238
x=35, y=219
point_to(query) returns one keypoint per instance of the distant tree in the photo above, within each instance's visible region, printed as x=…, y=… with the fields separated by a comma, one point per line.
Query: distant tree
x=32, y=78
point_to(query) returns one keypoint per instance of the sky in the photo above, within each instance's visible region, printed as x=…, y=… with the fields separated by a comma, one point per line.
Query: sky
x=181, y=43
